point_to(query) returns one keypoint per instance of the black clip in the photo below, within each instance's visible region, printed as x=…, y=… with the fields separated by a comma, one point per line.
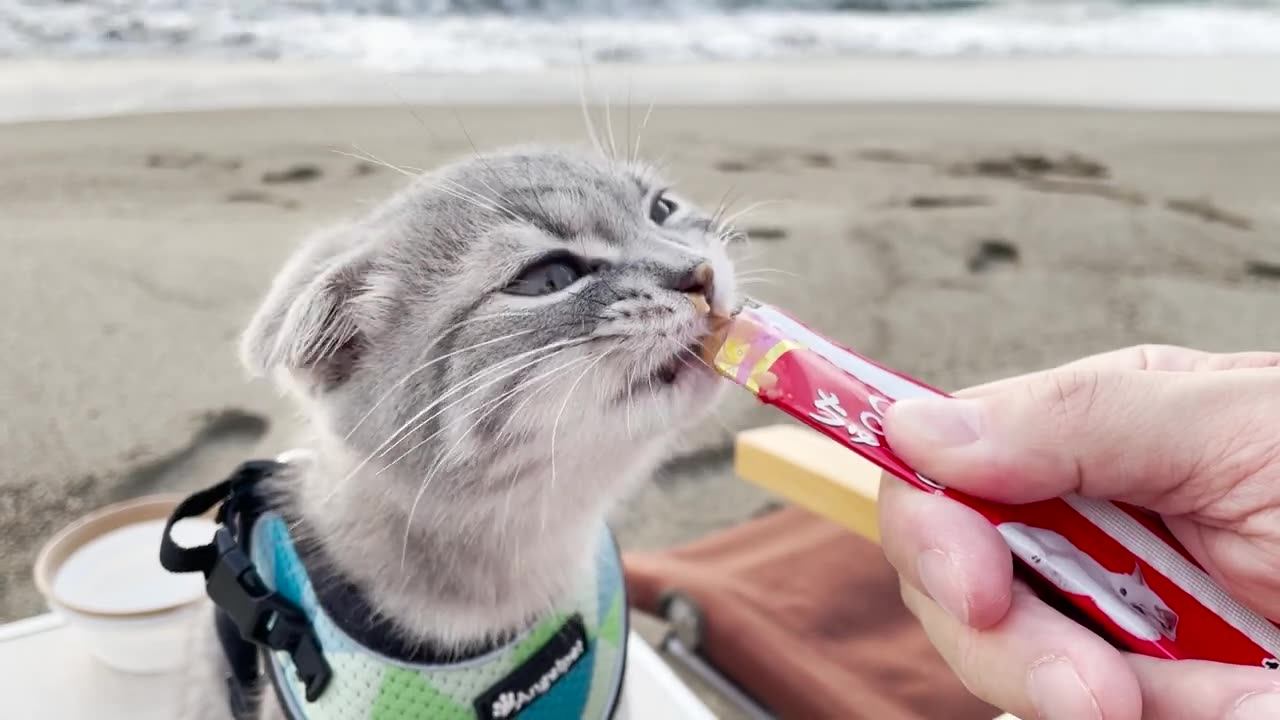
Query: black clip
x=263, y=616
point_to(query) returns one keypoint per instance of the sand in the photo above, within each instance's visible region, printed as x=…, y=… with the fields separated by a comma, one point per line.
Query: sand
x=958, y=243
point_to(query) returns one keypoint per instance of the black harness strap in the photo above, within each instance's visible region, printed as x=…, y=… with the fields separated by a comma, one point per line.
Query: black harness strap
x=251, y=619
x=250, y=615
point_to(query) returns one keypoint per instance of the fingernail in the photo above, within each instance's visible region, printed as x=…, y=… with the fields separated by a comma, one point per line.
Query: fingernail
x=1057, y=692
x=940, y=421
x=938, y=575
x=1258, y=706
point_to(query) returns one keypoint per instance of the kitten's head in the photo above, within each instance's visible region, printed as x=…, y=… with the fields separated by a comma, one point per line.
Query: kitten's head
x=498, y=308
x=1135, y=592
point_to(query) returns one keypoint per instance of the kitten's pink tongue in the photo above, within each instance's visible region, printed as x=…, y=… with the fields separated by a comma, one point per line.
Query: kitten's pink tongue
x=699, y=303
x=710, y=344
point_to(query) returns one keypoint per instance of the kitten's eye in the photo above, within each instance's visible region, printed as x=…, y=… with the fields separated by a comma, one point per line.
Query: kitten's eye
x=662, y=208
x=1124, y=592
x=548, y=275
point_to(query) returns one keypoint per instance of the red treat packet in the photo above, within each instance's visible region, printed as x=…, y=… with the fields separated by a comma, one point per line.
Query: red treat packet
x=1113, y=567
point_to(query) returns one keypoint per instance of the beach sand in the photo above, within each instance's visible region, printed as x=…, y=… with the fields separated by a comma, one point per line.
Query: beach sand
x=957, y=243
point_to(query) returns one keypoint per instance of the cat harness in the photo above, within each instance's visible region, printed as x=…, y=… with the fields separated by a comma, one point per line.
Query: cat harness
x=327, y=655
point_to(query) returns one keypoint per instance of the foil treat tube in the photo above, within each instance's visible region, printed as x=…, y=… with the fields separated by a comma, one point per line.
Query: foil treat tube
x=1113, y=567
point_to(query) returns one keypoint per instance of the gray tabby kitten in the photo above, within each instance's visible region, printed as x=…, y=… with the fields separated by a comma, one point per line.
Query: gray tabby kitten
x=488, y=362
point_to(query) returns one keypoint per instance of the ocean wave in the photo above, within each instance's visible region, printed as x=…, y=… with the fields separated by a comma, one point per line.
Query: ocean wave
x=480, y=35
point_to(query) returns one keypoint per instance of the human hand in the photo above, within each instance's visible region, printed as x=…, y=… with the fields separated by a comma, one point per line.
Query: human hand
x=1191, y=435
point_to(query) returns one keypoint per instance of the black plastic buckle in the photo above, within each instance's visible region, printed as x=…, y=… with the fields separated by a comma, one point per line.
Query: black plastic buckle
x=265, y=617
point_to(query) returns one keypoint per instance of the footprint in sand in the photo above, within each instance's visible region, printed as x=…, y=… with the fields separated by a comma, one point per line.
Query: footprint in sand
x=766, y=232
x=1124, y=196
x=993, y=251
x=293, y=174
x=262, y=198
x=1204, y=209
x=775, y=159
x=891, y=156
x=818, y=160
x=1262, y=269
x=221, y=433
x=734, y=166
x=942, y=202
x=1030, y=165
x=173, y=160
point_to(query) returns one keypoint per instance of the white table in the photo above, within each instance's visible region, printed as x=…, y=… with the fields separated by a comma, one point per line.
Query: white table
x=47, y=674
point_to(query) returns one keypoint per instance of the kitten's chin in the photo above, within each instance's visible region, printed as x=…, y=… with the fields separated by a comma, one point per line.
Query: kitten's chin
x=682, y=373
x=691, y=393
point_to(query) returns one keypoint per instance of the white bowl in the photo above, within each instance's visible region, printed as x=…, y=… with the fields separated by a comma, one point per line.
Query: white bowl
x=103, y=574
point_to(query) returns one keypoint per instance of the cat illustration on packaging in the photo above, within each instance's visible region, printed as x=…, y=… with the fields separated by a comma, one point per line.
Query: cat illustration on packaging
x=1124, y=597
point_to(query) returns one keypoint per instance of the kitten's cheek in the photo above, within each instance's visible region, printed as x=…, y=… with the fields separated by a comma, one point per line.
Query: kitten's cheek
x=698, y=390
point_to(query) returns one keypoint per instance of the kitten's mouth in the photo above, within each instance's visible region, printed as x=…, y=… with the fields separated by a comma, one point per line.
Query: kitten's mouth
x=680, y=364
x=670, y=371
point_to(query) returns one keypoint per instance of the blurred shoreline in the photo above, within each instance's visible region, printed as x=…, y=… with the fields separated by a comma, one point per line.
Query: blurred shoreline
x=34, y=90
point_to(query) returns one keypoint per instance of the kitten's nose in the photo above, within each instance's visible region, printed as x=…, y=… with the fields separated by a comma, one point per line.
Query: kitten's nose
x=700, y=280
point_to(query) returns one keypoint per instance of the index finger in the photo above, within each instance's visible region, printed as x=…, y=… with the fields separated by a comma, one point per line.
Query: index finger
x=1156, y=358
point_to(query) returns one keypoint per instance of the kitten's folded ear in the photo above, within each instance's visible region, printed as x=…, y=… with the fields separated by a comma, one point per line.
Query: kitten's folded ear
x=316, y=317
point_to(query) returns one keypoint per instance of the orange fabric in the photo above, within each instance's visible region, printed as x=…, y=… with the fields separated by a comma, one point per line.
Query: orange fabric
x=806, y=617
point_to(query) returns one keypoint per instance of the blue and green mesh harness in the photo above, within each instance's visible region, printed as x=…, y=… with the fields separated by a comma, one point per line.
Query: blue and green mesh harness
x=567, y=666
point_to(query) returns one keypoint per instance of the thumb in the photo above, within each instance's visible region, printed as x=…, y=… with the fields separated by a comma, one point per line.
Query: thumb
x=1137, y=436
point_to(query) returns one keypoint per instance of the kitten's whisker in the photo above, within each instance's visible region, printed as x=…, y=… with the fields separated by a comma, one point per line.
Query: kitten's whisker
x=497, y=196
x=631, y=380
x=628, y=137
x=750, y=252
x=440, y=462
x=681, y=351
x=763, y=271
x=558, y=348
x=555, y=427
x=516, y=412
x=477, y=199
x=466, y=198
x=465, y=415
x=582, y=102
x=491, y=201
x=552, y=346
x=446, y=356
x=722, y=207
x=639, y=133
x=529, y=397
x=503, y=534
x=405, y=103
x=750, y=209
x=369, y=157
x=608, y=124
x=649, y=380
x=383, y=449
x=728, y=233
